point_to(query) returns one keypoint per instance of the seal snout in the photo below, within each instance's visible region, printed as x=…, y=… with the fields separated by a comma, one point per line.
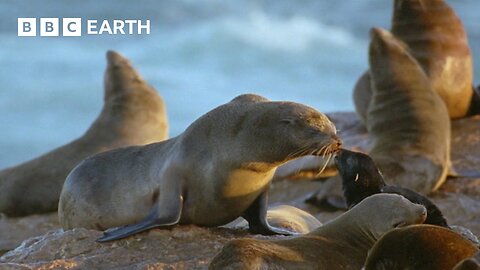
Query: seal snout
x=335, y=144
x=340, y=156
x=422, y=214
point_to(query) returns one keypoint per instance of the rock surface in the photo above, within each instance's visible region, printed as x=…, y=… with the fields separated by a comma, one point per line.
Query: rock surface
x=191, y=247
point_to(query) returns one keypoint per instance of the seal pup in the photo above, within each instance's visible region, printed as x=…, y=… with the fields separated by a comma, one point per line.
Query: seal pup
x=216, y=171
x=407, y=120
x=419, y=247
x=434, y=35
x=285, y=217
x=342, y=243
x=361, y=178
x=133, y=114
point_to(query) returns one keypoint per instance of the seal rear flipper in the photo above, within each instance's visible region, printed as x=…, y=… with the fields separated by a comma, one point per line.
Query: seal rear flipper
x=256, y=215
x=156, y=218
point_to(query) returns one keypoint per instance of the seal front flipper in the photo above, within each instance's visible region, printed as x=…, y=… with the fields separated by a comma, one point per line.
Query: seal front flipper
x=165, y=212
x=156, y=218
x=256, y=215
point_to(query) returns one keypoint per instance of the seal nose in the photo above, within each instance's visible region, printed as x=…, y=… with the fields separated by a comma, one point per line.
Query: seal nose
x=337, y=143
x=422, y=214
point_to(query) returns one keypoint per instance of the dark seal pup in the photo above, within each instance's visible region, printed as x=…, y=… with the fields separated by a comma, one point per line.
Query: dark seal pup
x=361, y=179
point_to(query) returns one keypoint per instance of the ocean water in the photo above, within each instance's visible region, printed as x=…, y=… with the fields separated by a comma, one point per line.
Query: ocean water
x=200, y=54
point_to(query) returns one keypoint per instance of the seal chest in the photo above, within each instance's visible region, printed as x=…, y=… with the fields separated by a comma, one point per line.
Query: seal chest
x=245, y=182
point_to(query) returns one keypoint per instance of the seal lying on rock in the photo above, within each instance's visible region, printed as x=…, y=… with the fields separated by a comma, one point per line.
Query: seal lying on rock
x=436, y=38
x=342, y=243
x=419, y=247
x=133, y=114
x=361, y=178
x=217, y=170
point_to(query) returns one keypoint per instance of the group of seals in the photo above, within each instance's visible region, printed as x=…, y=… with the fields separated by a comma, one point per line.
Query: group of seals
x=342, y=243
x=435, y=37
x=419, y=247
x=407, y=121
x=133, y=114
x=217, y=170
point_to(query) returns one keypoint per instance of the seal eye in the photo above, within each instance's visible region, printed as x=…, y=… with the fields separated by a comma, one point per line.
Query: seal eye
x=288, y=121
x=399, y=224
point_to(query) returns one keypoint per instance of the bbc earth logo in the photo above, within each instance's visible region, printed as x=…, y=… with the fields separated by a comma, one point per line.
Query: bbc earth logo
x=72, y=27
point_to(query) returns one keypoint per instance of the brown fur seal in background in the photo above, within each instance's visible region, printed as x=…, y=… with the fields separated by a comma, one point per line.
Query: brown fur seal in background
x=133, y=114
x=342, y=243
x=285, y=217
x=216, y=171
x=407, y=120
x=436, y=38
x=419, y=247
x=362, y=95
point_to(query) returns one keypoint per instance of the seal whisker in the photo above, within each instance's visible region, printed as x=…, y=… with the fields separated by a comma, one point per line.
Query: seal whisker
x=325, y=165
x=299, y=152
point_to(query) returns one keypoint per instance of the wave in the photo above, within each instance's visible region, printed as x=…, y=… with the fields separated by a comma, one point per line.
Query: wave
x=292, y=34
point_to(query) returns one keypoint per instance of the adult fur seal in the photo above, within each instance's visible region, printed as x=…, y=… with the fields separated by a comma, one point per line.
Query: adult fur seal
x=361, y=178
x=419, y=247
x=217, y=170
x=342, y=243
x=436, y=38
x=285, y=217
x=133, y=114
x=407, y=120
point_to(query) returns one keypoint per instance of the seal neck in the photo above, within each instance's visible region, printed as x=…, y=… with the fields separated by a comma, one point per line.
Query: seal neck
x=354, y=232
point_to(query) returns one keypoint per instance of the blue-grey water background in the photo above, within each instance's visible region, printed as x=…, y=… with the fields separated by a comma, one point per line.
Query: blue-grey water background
x=199, y=55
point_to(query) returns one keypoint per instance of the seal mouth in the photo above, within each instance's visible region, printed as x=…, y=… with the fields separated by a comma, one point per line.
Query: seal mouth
x=328, y=151
x=325, y=150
